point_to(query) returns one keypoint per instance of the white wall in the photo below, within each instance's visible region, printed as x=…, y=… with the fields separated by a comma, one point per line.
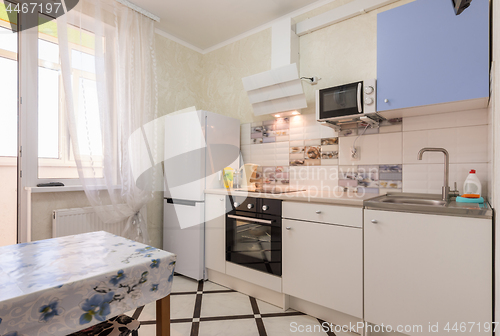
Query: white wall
x=8, y=205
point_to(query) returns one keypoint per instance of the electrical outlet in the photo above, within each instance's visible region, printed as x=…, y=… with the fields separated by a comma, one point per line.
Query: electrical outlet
x=355, y=153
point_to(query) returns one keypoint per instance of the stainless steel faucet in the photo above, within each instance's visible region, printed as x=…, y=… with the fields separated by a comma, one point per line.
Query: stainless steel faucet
x=446, y=187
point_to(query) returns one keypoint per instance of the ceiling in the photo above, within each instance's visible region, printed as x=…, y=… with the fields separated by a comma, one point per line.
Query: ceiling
x=206, y=23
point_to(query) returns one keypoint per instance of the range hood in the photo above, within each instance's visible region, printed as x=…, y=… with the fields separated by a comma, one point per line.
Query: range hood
x=279, y=89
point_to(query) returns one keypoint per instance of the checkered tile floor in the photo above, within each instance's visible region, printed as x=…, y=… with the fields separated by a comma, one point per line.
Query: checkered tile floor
x=207, y=309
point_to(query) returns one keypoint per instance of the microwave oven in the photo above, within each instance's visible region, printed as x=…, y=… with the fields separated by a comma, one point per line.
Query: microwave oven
x=345, y=102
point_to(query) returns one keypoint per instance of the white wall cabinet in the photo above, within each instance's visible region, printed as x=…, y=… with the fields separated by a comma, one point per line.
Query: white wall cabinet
x=422, y=269
x=322, y=264
x=215, y=238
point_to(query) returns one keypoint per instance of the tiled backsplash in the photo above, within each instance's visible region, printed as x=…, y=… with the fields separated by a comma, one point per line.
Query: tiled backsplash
x=301, y=152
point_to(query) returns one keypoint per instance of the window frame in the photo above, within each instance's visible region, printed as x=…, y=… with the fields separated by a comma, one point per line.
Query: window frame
x=29, y=112
x=27, y=158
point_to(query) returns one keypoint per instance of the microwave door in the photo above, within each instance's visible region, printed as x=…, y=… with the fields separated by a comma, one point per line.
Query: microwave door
x=341, y=101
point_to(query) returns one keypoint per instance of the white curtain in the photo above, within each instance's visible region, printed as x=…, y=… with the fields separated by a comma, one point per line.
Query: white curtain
x=108, y=69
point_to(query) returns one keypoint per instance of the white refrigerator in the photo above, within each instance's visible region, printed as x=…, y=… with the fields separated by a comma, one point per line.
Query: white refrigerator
x=198, y=145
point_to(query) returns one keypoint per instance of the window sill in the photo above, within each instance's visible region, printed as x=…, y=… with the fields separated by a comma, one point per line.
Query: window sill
x=58, y=189
x=54, y=189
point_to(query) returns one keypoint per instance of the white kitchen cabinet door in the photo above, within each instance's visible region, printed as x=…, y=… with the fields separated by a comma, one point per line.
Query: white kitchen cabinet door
x=215, y=238
x=322, y=264
x=422, y=269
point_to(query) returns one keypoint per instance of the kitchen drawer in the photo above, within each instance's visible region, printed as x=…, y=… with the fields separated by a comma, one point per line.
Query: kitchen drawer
x=324, y=213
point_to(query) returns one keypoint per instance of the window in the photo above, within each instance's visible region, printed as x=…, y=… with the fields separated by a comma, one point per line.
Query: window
x=8, y=86
x=55, y=152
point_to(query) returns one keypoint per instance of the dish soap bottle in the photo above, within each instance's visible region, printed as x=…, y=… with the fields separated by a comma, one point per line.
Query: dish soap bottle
x=472, y=185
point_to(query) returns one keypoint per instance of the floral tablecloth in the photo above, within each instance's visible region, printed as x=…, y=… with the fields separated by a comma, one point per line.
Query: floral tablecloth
x=62, y=285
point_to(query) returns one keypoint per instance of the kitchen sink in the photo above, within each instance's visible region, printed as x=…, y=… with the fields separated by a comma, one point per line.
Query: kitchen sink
x=415, y=201
x=428, y=204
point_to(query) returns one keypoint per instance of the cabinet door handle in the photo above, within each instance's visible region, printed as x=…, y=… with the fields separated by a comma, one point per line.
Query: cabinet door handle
x=318, y=211
x=360, y=93
x=288, y=228
x=374, y=221
x=221, y=199
x=386, y=100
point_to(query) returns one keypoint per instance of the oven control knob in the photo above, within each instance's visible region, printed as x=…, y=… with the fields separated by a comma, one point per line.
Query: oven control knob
x=368, y=101
x=250, y=206
x=236, y=204
x=265, y=207
x=369, y=89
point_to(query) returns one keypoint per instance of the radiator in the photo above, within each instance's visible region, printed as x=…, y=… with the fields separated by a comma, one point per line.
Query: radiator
x=67, y=222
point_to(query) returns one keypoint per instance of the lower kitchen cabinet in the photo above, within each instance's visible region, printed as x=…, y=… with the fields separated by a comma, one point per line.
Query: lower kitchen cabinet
x=428, y=269
x=322, y=263
x=215, y=242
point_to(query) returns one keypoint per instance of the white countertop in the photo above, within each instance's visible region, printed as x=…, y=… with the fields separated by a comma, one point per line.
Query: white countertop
x=312, y=196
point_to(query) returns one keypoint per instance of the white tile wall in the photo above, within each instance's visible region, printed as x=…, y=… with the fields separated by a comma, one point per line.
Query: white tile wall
x=464, y=144
x=464, y=134
x=267, y=154
x=375, y=149
x=446, y=120
x=322, y=177
x=429, y=178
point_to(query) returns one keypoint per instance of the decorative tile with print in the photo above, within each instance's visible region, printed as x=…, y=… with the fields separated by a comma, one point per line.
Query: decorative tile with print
x=312, y=153
x=391, y=184
x=258, y=177
x=282, y=175
x=368, y=176
x=329, y=141
x=329, y=152
x=348, y=172
x=297, y=150
x=257, y=130
x=269, y=175
x=296, y=155
x=296, y=162
x=256, y=134
x=348, y=177
x=281, y=132
x=391, y=172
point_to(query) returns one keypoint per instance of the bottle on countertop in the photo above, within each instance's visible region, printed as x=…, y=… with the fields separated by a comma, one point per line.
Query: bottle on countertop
x=472, y=185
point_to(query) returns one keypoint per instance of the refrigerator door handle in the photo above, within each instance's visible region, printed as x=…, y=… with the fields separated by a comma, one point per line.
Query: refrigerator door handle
x=180, y=202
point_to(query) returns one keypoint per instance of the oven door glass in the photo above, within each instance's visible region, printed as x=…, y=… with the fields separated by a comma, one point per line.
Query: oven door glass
x=341, y=101
x=254, y=243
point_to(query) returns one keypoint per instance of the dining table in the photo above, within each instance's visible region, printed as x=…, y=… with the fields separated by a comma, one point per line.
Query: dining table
x=62, y=285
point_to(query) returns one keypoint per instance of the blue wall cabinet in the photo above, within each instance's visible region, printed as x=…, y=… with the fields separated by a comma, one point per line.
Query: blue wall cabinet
x=427, y=55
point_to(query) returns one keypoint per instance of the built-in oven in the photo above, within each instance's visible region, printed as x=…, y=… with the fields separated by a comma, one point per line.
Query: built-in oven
x=253, y=233
x=348, y=101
